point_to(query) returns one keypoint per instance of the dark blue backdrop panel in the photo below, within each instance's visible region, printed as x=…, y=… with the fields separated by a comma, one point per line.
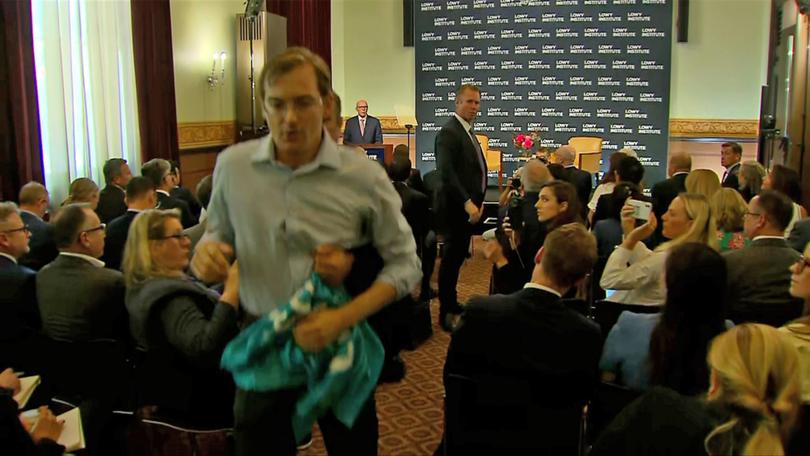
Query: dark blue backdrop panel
x=560, y=67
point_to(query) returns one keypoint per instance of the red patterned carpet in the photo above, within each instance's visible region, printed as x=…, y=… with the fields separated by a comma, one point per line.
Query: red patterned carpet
x=411, y=411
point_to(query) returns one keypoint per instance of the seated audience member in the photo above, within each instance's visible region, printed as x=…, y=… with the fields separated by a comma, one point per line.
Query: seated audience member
x=729, y=209
x=19, y=436
x=159, y=171
x=629, y=170
x=182, y=193
x=702, y=182
x=799, y=330
x=751, y=408
x=799, y=235
x=758, y=275
x=83, y=191
x=606, y=184
x=513, y=268
x=414, y=179
x=669, y=348
x=415, y=205
x=79, y=299
x=680, y=164
x=195, y=233
x=750, y=179
x=557, y=171
x=140, y=196
x=180, y=326
x=786, y=181
x=557, y=205
x=531, y=334
x=635, y=271
x=111, y=203
x=34, y=202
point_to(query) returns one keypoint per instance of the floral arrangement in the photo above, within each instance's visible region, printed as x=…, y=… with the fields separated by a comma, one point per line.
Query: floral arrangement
x=526, y=142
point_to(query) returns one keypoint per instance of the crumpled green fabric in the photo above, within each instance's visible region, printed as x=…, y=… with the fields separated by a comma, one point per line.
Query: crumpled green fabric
x=265, y=357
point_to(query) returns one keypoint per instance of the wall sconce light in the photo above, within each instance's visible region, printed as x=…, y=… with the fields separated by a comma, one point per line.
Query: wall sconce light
x=215, y=79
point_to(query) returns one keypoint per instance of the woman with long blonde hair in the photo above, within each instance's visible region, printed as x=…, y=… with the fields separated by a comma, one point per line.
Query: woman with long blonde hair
x=635, y=271
x=82, y=190
x=703, y=182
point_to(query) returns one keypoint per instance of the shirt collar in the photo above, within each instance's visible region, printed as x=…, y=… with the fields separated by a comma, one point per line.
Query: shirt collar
x=463, y=122
x=3, y=254
x=94, y=261
x=733, y=166
x=163, y=192
x=680, y=172
x=29, y=212
x=328, y=155
x=537, y=286
x=756, y=238
x=137, y=211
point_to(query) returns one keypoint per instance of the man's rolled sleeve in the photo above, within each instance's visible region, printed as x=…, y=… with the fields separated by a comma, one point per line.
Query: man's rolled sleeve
x=393, y=239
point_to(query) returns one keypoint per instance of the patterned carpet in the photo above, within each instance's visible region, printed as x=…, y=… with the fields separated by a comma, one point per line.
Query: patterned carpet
x=411, y=411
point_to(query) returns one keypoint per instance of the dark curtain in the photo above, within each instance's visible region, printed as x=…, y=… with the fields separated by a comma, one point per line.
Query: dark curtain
x=309, y=24
x=20, y=147
x=154, y=78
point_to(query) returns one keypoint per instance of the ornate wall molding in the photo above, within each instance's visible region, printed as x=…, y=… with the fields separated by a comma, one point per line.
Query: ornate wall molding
x=713, y=128
x=193, y=135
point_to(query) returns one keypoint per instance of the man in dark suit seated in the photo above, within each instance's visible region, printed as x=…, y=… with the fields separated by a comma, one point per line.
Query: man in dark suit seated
x=111, y=202
x=581, y=180
x=34, y=202
x=196, y=232
x=680, y=163
x=414, y=179
x=140, y=197
x=362, y=128
x=758, y=275
x=80, y=299
x=531, y=334
x=182, y=193
x=159, y=171
x=414, y=203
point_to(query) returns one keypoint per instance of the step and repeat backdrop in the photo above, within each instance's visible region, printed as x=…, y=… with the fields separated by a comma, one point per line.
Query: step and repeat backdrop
x=561, y=68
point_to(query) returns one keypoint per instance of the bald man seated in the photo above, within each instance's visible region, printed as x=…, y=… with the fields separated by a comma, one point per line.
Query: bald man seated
x=362, y=128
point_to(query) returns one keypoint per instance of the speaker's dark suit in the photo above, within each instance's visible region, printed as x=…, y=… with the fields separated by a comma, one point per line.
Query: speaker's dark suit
x=185, y=194
x=759, y=283
x=462, y=169
x=730, y=178
x=662, y=195
x=583, y=182
x=372, y=134
x=111, y=203
x=43, y=250
x=168, y=202
x=117, y=232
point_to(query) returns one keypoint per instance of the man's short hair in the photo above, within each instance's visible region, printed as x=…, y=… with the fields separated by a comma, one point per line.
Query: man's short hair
x=534, y=176
x=112, y=169
x=155, y=170
x=464, y=87
x=32, y=193
x=289, y=60
x=204, y=189
x=630, y=169
x=7, y=209
x=776, y=207
x=338, y=107
x=138, y=187
x=566, y=153
x=569, y=253
x=68, y=223
x=735, y=147
x=400, y=169
x=401, y=151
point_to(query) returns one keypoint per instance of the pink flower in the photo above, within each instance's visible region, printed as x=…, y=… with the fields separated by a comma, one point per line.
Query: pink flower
x=520, y=138
x=528, y=143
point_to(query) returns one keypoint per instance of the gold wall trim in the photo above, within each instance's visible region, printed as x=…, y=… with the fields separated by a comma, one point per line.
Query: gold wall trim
x=193, y=135
x=713, y=128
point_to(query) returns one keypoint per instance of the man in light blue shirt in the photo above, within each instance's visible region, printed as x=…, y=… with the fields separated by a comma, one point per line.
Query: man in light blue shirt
x=276, y=202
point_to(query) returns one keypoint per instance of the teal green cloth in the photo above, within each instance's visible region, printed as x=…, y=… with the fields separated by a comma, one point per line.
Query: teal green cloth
x=265, y=357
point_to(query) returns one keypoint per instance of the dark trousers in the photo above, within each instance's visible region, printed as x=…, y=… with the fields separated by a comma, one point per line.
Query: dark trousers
x=428, y=263
x=263, y=426
x=456, y=246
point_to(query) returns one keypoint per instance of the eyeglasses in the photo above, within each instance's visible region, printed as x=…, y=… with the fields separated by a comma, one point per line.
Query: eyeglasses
x=179, y=237
x=802, y=263
x=22, y=228
x=98, y=228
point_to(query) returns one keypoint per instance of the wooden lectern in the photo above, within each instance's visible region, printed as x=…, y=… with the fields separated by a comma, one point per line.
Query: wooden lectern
x=384, y=153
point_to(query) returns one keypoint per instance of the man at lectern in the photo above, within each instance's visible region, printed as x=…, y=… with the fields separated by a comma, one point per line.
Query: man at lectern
x=362, y=128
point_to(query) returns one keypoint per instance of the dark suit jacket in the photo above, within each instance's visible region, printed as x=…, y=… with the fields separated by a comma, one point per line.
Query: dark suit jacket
x=111, y=203
x=731, y=180
x=185, y=194
x=18, y=305
x=169, y=202
x=532, y=335
x=415, y=181
x=583, y=182
x=117, y=232
x=80, y=302
x=800, y=235
x=461, y=174
x=662, y=195
x=759, y=280
x=43, y=250
x=416, y=209
x=372, y=133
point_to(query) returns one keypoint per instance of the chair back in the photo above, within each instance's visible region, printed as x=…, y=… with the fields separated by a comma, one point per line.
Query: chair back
x=589, y=152
x=608, y=401
x=606, y=313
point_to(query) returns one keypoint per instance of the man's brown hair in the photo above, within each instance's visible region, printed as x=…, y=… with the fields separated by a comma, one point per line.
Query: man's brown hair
x=735, y=147
x=569, y=253
x=289, y=60
x=464, y=87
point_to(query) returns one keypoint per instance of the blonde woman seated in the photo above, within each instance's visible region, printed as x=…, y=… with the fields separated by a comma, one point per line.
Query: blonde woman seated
x=180, y=326
x=729, y=208
x=82, y=190
x=703, y=182
x=751, y=408
x=635, y=271
x=750, y=178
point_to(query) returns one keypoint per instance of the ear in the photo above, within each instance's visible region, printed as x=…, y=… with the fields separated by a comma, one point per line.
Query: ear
x=564, y=206
x=714, y=384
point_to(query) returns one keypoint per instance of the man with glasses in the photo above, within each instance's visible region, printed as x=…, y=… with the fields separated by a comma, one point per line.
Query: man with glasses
x=34, y=203
x=79, y=299
x=362, y=128
x=759, y=275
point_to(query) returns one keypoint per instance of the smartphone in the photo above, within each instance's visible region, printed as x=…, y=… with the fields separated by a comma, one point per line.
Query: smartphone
x=641, y=209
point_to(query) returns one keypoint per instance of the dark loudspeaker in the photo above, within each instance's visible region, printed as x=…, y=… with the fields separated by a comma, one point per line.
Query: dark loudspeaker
x=407, y=23
x=683, y=21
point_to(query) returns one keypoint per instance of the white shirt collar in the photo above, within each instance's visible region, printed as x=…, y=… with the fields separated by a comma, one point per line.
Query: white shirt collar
x=29, y=212
x=537, y=286
x=733, y=166
x=163, y=191
x=137, y=211
x=463, y=123
x=679, y=172
x=3, y=254
x=756, y=238
x=94, y=261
